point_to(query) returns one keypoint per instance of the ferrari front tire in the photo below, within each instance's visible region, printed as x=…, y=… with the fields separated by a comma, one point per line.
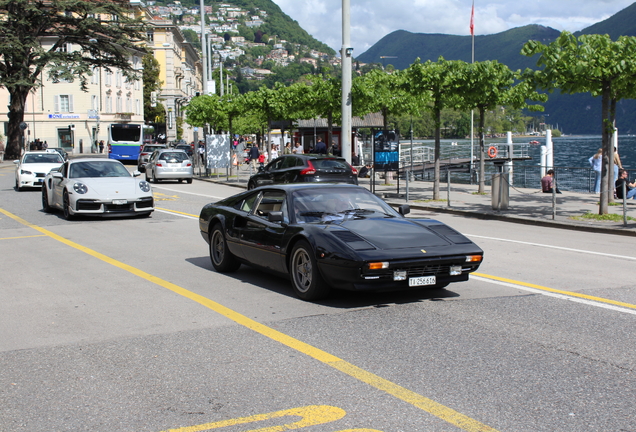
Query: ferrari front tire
x=307, y=281
x=221, y=257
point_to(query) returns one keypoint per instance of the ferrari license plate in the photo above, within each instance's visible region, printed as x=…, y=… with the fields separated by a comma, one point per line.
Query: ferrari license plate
x=423, y=280
x=120, y=202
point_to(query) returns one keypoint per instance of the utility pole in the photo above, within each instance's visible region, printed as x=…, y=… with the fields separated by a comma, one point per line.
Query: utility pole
x=346, y=54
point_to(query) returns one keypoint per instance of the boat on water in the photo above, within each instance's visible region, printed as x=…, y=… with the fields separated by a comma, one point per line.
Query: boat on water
x=534, y=142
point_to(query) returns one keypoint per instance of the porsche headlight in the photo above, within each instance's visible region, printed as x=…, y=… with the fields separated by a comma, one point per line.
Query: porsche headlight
x=80, y=188
x=144, y=186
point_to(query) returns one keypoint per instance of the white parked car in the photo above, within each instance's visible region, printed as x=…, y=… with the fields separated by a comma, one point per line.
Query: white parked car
x=31, y=169
x=96, y=187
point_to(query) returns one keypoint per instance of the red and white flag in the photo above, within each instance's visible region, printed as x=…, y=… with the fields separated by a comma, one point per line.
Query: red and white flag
x=472, y=20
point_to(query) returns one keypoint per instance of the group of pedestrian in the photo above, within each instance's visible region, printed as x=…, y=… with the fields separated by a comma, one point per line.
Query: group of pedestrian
x=38, y=144
x=621, y=181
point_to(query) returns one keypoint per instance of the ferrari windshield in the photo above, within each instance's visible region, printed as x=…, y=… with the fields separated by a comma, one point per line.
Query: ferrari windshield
x=97, y=169
x=312, y=205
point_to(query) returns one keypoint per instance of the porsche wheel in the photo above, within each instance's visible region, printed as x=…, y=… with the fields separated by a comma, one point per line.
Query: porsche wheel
x=306, y=279
x=66, y=207
x=45, y=200
x=221, y=257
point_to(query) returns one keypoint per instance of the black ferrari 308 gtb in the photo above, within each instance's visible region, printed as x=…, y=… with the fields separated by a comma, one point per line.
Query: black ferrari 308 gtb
x=334, y=236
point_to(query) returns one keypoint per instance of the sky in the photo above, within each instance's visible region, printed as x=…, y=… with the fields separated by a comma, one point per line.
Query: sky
x=371, y=20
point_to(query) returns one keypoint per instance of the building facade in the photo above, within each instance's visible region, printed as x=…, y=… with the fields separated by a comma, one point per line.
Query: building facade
x=180, y=76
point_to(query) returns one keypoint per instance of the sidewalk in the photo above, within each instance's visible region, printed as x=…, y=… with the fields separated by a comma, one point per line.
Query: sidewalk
x=527, y=206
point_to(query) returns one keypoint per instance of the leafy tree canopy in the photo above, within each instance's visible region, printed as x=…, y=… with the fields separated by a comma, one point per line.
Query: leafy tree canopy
x=107, y=32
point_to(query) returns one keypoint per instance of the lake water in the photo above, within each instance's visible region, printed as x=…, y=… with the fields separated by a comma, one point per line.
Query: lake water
x=571, y=154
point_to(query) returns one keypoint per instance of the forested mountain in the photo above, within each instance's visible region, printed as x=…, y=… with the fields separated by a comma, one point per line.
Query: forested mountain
x=574, y=114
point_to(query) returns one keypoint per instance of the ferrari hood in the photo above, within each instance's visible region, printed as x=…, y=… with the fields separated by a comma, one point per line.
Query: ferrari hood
x=111, y=186
x=394, y=233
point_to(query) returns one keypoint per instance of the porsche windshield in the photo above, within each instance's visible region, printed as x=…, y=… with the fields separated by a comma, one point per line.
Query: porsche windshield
x=311, y=204
x=98, y=169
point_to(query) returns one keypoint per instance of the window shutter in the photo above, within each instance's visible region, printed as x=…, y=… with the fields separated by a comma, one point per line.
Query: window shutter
x=56, y=103
x=70, y=103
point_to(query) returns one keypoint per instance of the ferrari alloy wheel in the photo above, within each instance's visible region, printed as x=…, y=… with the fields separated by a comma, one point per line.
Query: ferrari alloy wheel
x=222, y=259
x=45, y=200
x=305, y=276
x=66, y=207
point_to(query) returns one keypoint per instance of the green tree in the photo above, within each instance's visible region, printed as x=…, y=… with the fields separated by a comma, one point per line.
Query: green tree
x=594, y=64
x=152, y=85
x=439, y=84
x=486, y=86
x=104, y=43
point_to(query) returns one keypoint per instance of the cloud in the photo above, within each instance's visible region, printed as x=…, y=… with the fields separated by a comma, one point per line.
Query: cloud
x=371, y=20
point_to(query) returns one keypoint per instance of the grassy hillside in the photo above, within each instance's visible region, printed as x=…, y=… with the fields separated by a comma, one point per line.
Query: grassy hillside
x=277, y=23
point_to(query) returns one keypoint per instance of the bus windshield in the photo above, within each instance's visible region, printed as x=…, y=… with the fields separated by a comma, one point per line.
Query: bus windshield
x=125, y=133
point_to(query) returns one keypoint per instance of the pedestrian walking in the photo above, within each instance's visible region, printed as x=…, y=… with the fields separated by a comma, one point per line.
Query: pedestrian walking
x=254, y=155
x=596, y=162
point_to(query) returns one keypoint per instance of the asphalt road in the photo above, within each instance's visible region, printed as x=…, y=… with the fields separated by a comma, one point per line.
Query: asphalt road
x=123, y=325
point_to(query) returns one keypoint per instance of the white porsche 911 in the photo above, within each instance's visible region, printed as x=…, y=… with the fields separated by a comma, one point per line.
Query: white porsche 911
x=96, y=187
x=31, y=169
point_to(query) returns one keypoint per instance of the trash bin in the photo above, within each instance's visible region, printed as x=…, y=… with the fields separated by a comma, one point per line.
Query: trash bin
x=500, y=192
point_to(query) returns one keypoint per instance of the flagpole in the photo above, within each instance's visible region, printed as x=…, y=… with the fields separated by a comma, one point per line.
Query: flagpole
x=472, y=111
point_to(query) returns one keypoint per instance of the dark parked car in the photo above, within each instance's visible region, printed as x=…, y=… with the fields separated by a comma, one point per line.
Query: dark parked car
x=146, y=151
x=61, y=151
x=334, y=236
x=305, y=168
x=186, y=148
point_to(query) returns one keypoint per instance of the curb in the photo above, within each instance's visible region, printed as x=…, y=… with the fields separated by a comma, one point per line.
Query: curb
x=624, y=231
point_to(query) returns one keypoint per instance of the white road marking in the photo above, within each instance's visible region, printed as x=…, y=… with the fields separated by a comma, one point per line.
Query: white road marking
x=177, y=214
x=560, y=296
x=184, y=192
x=555, y=247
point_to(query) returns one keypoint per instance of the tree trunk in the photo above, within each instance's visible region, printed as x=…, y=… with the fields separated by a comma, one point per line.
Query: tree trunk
x=15, y=135
x=611, y=183
x=482, y=145
x=607, y=149
x=329, y=132
x=438, y=130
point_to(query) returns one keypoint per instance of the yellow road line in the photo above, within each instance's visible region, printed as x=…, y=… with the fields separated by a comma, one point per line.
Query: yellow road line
x=556, y=291
x=22, y=237
x=175, y=211
x=419, y=401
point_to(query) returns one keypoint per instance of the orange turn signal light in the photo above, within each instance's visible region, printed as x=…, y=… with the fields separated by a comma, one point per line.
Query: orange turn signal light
x=378, y=265
x=474, y=258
